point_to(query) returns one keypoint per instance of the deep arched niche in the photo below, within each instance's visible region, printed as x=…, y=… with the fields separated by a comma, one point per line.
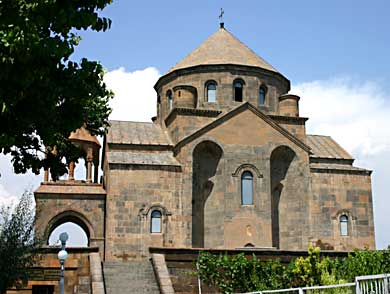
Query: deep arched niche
x=281, y=159
x=205, y=160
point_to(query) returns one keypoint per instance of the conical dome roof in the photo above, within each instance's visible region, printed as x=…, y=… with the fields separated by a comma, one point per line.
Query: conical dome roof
x=222, y=48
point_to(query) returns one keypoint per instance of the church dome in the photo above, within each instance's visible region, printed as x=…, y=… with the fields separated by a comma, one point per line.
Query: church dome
x=222, y=72
x=222, y=48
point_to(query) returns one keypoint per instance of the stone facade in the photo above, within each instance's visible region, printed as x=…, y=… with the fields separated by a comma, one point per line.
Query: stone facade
x=231, y=173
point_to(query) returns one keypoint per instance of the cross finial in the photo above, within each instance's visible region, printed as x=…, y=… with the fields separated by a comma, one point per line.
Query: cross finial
x=221, y=23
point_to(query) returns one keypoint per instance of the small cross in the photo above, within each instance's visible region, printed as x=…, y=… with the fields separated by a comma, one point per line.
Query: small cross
x=221, y=15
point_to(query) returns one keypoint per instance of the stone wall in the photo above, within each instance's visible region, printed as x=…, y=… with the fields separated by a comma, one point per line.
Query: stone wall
x=133, y=192
x=342, y=192
x=228, y=223
x=72, y=201
x=47, y=271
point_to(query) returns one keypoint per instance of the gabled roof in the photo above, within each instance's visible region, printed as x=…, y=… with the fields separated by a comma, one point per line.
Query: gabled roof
x=326, y=147
x=222, y=48
x=136, y=133
x=234, y=112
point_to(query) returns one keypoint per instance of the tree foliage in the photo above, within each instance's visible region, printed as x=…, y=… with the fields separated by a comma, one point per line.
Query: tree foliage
x=44, y=95
x=17, y=242
x=238, y=273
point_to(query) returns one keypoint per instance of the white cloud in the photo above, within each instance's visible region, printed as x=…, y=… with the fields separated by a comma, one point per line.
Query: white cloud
x=357, y=116
x=135, y=99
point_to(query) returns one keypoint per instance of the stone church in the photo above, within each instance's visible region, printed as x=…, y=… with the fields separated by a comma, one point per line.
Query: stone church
x=225, y=164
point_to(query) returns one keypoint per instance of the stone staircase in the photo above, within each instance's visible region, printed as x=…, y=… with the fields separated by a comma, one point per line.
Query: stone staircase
x=136, y=277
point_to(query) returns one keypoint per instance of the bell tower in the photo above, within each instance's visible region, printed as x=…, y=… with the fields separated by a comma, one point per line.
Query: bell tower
x=78, y=201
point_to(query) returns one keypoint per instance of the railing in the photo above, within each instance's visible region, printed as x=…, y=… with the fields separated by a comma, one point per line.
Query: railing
x=376, y=284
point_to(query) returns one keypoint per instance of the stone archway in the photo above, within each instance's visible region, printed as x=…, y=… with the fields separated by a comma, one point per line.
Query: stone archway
x=281, y=160
x=69, y=216
x=205, y=159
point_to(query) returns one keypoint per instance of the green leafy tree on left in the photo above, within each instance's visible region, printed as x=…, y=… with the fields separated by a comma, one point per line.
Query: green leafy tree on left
x=44, y=95
x=18, y=245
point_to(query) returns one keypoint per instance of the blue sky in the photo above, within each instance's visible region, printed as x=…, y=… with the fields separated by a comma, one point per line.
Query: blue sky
x=304, y=40
x=335, y=53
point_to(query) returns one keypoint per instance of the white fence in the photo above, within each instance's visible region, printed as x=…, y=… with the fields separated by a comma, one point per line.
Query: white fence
x=377, y=284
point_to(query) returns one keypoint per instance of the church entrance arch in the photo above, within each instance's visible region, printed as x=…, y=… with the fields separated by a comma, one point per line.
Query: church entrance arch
x=73, y=223
x=281, y=160
x=205, y=159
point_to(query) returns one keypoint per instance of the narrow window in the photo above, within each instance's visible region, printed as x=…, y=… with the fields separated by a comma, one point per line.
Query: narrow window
x=155, y=224
x=211, y=92
x=343, y=225
x=246, y=188
x=238, y=88
x=262, y=93
x=170, y=100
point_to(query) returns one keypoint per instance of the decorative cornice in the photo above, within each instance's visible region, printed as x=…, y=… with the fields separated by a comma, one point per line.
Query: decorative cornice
x=363, y=172
x=220, y=68
x=247, y=166
x=346, y=212
x=288, y=118
x=146, y=208
x=191, y=112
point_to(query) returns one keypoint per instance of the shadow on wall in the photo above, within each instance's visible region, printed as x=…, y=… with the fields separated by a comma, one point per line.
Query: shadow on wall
x=205, y=160
x=281, y=159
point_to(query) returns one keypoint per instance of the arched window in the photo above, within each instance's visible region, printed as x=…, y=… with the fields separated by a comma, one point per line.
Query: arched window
x=262, y=93
x=344, y=225
x=246, y=188
x=170, y=100
x=211, y=91
x=238, y=90
x=155, y=222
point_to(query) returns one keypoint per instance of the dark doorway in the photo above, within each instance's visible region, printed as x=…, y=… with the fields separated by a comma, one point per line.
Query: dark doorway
x=43, y=289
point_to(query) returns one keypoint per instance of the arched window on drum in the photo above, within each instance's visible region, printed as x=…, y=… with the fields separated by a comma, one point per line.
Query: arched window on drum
x=211, y=91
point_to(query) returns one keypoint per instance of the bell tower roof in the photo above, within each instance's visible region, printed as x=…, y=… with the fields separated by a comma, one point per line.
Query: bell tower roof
x=222, y=48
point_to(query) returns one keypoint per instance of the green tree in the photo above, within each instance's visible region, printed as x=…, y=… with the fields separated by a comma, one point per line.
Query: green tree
x=44, y=95
x=17, y=243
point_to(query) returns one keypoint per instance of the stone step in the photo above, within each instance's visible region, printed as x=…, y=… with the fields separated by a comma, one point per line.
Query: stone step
x=129, y=277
